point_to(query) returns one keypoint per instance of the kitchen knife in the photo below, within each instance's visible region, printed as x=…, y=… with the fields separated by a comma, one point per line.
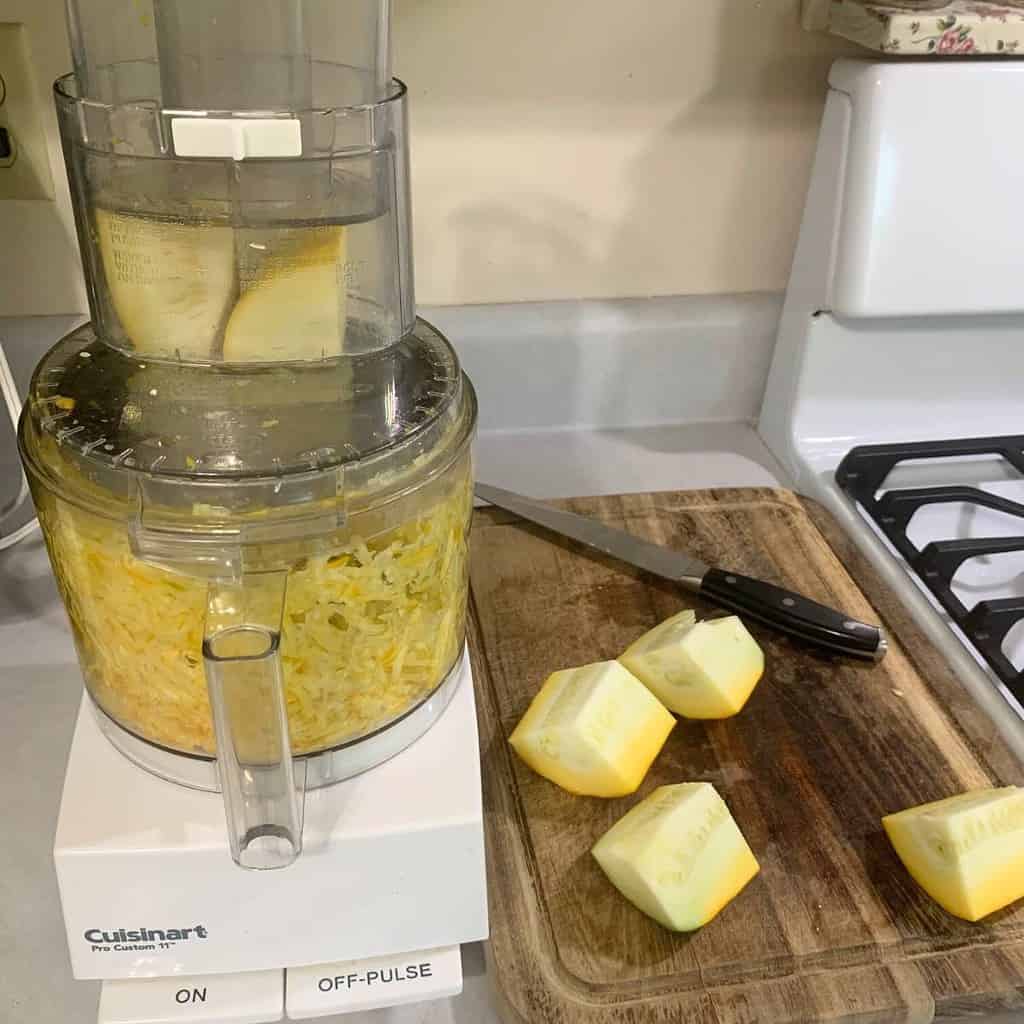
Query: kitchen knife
x=773, y=606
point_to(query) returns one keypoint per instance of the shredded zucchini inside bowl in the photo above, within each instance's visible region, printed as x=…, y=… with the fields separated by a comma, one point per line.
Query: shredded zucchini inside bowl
x=369, y=628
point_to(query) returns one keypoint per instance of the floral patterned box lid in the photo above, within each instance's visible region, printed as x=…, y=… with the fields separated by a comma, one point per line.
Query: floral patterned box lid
x=961, y=27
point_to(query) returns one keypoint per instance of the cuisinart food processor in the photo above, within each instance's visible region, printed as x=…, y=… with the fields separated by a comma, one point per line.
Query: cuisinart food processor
x=253, y=473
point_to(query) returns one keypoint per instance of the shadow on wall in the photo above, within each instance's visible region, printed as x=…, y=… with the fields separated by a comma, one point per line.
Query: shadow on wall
x=37, y=274
x=592, y=149
x=605, y=149
x=541, y=237
x=754, y=128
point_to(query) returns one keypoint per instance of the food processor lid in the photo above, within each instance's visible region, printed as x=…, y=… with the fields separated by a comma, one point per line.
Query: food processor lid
x=117, y=417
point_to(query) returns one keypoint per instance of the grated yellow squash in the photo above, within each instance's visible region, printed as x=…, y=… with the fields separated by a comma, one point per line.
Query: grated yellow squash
x=369, y=629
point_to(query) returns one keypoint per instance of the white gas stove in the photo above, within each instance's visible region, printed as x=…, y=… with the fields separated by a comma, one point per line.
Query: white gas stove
x=894, y=393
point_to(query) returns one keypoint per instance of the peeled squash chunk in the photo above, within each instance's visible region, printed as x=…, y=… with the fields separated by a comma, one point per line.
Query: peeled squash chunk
x=593, y=730
x=966, y=852
x=678, y=856
x=295, y=308
x=698, y=669
x=171, y=284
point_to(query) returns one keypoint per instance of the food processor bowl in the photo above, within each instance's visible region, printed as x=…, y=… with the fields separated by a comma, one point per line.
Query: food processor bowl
x=252, y=469
x=265, y=568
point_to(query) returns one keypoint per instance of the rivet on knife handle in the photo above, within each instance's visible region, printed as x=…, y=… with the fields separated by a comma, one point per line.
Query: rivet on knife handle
x=792, y=613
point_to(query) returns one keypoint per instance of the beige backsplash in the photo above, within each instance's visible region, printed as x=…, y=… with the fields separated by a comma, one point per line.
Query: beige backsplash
x=561, y=148
x=566, y=148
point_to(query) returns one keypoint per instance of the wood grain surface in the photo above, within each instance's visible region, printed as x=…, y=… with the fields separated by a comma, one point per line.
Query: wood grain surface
x=833, y=928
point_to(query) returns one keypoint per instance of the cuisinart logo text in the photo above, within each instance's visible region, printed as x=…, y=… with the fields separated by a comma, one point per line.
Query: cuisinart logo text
x=128, y=939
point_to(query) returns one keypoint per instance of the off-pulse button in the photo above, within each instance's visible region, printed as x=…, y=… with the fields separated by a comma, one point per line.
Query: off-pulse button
x=327, y=989
x=252, y=997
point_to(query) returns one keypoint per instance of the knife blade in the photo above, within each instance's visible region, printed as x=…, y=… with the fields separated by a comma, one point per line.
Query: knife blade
x=776, y=607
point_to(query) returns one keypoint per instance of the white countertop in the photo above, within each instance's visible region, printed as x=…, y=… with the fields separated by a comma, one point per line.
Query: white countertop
x=41, y=686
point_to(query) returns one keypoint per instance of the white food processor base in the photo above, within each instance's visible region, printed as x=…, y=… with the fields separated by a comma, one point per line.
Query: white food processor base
x=393, y=862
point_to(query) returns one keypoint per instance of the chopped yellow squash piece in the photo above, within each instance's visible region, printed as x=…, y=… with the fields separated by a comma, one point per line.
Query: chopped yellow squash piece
x=171, y=284
x=593, y=730
x=678, y=855
x=698, y=669
x=295, y=309
x=966, y=852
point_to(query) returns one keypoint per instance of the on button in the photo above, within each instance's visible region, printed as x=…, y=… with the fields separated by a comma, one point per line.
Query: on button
x=254, y=997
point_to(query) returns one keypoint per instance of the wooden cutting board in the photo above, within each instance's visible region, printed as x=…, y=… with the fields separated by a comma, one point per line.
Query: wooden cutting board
x=833, y=928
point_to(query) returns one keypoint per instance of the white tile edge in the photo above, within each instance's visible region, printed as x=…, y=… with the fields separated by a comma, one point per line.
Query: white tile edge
x=615, y=363
x=582, y=364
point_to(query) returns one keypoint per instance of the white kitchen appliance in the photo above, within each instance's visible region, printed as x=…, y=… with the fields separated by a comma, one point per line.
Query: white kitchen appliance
x=392, y=872
x=253, y=474
x=894, y=395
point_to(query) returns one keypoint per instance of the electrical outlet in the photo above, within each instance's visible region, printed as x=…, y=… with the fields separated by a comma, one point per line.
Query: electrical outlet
x=24, y=166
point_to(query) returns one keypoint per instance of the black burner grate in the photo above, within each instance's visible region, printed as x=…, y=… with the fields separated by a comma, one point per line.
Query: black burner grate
x=863, y=472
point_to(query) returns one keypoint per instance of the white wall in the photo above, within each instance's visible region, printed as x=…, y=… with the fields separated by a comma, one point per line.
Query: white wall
x=566, y=148
x=561, y=148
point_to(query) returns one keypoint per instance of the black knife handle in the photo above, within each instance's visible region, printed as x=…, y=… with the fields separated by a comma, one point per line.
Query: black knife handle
x=792, y=613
